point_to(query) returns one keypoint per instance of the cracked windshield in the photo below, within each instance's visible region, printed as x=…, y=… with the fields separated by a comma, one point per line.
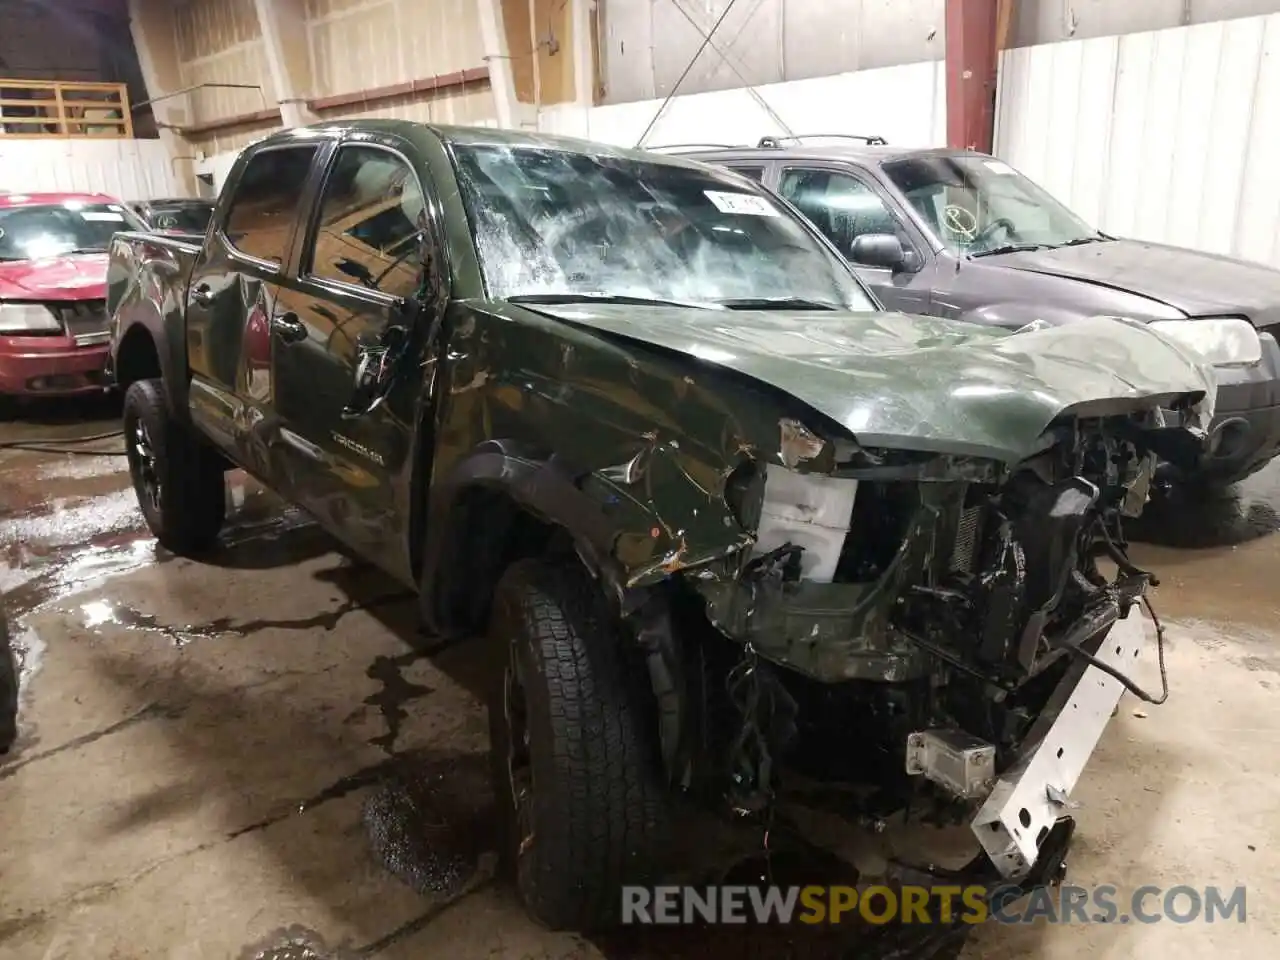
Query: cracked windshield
x=979, y=206
x=557, y=226
x=33, y=232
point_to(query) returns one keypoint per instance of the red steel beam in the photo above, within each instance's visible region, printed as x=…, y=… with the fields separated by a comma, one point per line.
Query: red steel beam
x=971, y=73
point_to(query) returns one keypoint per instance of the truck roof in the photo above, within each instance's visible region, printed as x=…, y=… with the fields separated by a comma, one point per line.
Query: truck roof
x=861, y=153
x=493, y=136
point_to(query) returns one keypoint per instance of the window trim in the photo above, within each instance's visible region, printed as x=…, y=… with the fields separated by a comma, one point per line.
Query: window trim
x=915, y=240
x=234, y=253
x=306, y=251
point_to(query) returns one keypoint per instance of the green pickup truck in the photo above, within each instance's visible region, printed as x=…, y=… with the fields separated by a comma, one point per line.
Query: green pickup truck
x=726, y=524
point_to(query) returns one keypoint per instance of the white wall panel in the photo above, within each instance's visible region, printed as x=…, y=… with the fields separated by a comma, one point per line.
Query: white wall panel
x=904, y=104
x=1168, y=135
x=126, y=169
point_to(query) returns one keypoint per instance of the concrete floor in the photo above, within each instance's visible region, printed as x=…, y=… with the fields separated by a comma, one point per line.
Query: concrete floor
x=225, y=759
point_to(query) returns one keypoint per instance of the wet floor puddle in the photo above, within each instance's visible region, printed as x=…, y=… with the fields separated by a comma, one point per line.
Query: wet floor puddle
x=429, y=823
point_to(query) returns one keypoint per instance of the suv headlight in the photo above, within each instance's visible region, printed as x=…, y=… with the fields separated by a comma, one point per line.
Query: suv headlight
x=27, y=318
x=1223, y=341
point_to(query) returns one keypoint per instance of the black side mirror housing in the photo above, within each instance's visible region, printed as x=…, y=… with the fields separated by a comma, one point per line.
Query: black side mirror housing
x=879, y=250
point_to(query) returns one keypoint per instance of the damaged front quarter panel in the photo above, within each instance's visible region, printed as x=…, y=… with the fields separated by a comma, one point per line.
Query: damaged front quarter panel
x=804, y=541
x=833, y=596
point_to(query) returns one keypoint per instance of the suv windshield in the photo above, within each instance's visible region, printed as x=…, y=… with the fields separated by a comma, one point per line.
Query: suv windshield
x=556, y=223
x=181, y=217
x=32, y=231
x=980, y=205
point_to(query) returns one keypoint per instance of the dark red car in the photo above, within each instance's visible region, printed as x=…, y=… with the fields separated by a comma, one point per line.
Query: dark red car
x=53, y=278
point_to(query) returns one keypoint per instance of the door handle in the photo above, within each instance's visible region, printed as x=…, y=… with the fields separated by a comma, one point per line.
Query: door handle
x=203, y=295
x=289, y=328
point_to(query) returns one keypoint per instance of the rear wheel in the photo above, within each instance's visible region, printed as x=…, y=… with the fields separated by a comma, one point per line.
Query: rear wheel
x=178, y=479
x=581, y=804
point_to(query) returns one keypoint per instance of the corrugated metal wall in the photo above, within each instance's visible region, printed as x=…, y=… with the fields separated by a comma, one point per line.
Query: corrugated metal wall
x=127, y=169
x=218, y=41
x=356, y=44
x=1168, y=136
x=905, y=104
x=647, y=44
x=353, y=45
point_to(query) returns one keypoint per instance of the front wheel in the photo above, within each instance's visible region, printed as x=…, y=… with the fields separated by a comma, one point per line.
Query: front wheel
x=581, y=804
x=178, y=479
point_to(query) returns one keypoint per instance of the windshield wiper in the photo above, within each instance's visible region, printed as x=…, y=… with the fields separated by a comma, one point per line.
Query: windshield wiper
x=1008, y=248
x=777, y=303
x=1097, y=238
x=553, y=298
x=87, y=250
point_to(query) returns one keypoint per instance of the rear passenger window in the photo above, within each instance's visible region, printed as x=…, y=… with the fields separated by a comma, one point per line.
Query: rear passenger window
x=371, y=215
x=266, y=201
x=754, y=173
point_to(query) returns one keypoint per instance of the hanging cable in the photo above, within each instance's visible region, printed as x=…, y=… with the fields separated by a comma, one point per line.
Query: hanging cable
x=58, y=445
x=755, y=94
x=706, y=41
x=1076, y=651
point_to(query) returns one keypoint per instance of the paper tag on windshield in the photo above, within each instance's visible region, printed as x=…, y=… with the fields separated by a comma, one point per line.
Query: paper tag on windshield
x=747, y=204
x=98, y=216
x=1000, y=167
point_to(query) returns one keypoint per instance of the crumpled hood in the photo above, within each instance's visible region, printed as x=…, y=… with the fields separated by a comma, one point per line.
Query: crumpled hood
x=921, y=383
x=78, y=277
x=1198, y=284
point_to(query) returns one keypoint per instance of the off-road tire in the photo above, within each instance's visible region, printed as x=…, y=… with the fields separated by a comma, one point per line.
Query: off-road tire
x=8, y=689
x=193, y=499
x=599, y=811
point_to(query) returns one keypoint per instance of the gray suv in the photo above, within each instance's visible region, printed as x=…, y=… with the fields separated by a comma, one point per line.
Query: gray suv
x=962, y=235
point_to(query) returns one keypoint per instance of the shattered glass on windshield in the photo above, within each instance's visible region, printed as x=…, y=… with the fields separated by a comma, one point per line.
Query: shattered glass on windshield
x=555, y=222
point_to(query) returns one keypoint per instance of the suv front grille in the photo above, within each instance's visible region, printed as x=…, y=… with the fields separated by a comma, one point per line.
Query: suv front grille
x=85, y=321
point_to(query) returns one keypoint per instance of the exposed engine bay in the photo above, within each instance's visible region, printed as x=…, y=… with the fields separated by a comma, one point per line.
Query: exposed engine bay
x=914, y=624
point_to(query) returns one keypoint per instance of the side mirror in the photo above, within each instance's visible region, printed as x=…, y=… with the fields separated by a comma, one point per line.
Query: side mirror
x=377, y=360
x=879, y=250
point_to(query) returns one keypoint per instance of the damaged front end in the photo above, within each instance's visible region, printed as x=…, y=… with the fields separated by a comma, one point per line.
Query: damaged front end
x=920, y=625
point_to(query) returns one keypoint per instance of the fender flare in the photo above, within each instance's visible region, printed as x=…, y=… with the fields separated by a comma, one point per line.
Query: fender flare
x=548, y=489
x=149, y=319
x=544, y=486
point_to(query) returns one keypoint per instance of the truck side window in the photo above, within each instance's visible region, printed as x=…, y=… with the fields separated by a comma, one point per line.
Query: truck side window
x=266, y=200
x=755, y=173
x=840, y=206
x=371, y=219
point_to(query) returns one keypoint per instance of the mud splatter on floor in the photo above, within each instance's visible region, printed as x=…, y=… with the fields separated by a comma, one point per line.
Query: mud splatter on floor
x=430, y=822
x=295, y=943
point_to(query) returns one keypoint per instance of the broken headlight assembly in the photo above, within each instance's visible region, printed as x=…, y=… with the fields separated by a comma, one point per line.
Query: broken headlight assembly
x=805, y=513
x=1222, y=341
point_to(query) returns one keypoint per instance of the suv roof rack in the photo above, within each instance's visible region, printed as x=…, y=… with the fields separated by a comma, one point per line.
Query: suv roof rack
x=693, y=146
x=775, y=142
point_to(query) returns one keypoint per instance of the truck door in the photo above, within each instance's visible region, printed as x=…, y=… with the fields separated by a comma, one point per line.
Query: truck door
x=360, y=272
x=230, y=301
x=845, y=207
